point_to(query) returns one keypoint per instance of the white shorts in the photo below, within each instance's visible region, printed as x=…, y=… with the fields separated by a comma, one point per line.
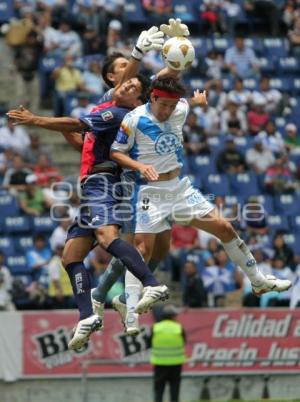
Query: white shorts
x=158, y=204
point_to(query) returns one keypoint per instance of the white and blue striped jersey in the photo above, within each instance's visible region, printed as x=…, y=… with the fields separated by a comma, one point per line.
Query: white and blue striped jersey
x=151, y=142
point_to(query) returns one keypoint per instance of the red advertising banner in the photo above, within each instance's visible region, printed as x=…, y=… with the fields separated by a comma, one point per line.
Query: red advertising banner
x=225, y=341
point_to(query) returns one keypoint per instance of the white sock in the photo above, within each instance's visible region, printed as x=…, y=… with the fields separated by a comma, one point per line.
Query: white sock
x=133, y=291
x=240, y=254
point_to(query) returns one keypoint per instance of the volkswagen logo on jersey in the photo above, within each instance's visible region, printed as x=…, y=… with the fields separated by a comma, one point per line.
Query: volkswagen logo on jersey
x=166, y=143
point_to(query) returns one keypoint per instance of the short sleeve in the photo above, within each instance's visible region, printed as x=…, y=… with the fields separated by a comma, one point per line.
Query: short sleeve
x=126, y=135
x=100, y=121
x=183, y=107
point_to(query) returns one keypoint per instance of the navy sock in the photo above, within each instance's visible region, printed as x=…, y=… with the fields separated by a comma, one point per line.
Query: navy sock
x=133, y=261
x=152, y=265
x=81, y=285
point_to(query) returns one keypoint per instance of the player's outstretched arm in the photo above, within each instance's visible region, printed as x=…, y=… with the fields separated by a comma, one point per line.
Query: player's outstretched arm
x=25, y=117
x=153, y=39
x=147, y=171
x=74, y=139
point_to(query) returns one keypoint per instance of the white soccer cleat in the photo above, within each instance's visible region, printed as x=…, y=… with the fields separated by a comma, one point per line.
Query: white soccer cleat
x=271, y=284
x=121, y=308
x=132, y=326
x=83, y=331
x=98, y=308
x=151, y=295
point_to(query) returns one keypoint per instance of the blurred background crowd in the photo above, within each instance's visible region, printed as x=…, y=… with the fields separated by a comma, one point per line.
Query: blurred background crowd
x=242, y=150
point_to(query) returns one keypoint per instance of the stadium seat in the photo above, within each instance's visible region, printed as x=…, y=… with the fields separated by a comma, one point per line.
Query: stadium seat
x=266, y=201
x=275, y=47
x=17, y=224
x=295, y=223
x=8, y=205
x=256, y=44
x=201, y=45
x=227, y=82
x=43, y=224
x=221, y=44
x=244, y=184
x=186, y=10
x=217, y=184
x=216, y=144
x=280, y=123
x=135, y=12
x=267, y=66
x=295, y=86
x=18, y=265
x=242, y=144
x=282, y=84
x=7, y=246
x=6, y=11
x=278, y=222
x=202, y=165
x=288, y=65
x=23, y=243
x=49, y=63
x=251, y=84
x=287, y=204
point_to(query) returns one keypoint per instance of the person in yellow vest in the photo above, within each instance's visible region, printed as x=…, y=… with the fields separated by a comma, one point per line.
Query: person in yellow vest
x=167, y=354
x=60, y=289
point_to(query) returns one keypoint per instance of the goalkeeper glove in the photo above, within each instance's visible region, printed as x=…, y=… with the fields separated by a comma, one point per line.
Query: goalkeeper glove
x=153, y=39
x=175, y=28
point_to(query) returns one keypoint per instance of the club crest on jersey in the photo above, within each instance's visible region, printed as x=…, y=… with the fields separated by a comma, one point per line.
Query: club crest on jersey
x=107, y=115
x=166, y=144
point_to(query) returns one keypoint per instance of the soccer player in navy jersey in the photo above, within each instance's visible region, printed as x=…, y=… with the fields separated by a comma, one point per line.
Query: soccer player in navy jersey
x=115, y=70
x=98, y=218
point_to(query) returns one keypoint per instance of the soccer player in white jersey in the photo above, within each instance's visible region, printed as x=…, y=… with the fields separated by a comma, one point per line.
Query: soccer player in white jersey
x=149, y=142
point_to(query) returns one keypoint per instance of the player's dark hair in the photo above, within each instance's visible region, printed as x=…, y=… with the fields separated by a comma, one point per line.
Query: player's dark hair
x=108, y=66
x=169, y=84
x=146, y=87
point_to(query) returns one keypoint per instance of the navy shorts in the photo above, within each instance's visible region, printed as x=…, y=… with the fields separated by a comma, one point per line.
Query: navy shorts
x=127, y=206
x=100, y=198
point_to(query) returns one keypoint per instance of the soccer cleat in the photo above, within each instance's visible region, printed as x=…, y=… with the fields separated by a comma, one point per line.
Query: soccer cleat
x=83, y=330
x=132, y=324
x=120, y=308
x=151, y=295
x=98, y=308
x=271, y=284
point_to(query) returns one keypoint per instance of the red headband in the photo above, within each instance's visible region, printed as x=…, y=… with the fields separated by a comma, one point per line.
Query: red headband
x=165, y=94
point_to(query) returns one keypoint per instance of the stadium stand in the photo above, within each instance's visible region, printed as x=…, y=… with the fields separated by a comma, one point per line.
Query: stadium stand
x=276, y=59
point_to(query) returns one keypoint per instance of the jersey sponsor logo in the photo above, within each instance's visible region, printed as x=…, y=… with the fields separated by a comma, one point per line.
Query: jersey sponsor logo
x=166, y=144
x=107, y=115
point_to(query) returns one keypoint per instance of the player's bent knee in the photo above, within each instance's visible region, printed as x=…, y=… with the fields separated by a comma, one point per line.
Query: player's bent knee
x=226, y=231
x=144, y=250
x=105, y=237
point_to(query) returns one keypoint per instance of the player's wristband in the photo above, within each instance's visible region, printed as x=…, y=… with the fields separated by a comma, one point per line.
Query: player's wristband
x=136, y=53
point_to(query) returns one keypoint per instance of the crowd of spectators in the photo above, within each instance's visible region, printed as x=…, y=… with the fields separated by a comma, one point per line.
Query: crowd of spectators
x=250, y=128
